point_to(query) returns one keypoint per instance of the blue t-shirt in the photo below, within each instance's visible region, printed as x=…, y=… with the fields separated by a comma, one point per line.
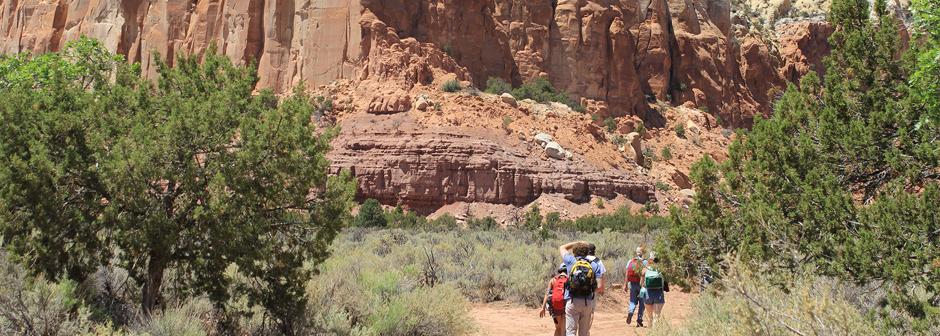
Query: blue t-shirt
x=596, y=264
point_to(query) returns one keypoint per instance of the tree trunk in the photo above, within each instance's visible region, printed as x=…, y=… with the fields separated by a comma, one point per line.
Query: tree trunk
x=151, y=290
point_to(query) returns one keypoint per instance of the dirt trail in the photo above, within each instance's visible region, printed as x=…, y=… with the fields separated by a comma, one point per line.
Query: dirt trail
x=610, y=318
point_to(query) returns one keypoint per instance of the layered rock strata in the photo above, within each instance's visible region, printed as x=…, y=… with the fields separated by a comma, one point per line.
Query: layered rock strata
x=426, y=170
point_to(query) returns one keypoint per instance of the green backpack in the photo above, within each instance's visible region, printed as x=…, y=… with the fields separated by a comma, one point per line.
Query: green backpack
x=654, y=279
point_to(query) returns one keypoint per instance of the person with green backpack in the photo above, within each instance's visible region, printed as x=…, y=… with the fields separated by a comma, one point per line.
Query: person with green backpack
x=654, y=288
x=585, y=280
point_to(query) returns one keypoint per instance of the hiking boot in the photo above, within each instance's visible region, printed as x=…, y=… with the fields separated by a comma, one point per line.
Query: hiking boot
x=629, y=319
x=639, y=323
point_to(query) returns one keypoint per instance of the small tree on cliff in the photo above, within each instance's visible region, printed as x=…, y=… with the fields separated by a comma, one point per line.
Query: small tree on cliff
x=195, y=173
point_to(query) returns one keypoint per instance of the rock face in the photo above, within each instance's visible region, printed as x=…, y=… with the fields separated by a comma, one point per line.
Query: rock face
x=804, y=44
x=615, y=57
x=621, y=53
x=429, y=169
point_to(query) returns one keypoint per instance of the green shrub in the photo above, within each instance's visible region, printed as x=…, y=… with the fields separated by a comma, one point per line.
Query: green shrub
x=640, y=128
x=649, y=153
x=662, y=186
x=611, y=124
x=666, y=153
x=507, y=120
x=619, y=140
x=542, y=91
x=451, y=86
x=680, y=130
x=183, y=320
x=399, y=218
x=599, y=203
x=749, y=304
x=622, y=220
x=35, y=306
x=370, y=214
x=444, y=222
x=485, y=223
x=496, y=85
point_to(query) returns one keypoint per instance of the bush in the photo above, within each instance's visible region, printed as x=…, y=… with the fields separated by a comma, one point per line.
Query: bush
x=542, y=91
x=451, y=86
x=485, y=223
x=496, y=85
x=622, y=220
x=445, y=222
x=649, y=153
x=680, y=130
x=748, y=304
x=666, y=153
x=370, y=215
x=619, y=140
x=640, y=128
x=35, y=306
x=599, y=203
x=376, y=266
x=507, y=120
x=662, y=186
x=184, y=320
x=611, y=124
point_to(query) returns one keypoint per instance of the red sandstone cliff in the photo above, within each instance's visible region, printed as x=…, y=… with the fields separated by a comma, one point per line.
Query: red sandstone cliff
x=618, y=55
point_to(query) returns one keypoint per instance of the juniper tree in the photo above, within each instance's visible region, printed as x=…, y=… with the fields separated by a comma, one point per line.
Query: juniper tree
x=843, y=178
x=194, y=172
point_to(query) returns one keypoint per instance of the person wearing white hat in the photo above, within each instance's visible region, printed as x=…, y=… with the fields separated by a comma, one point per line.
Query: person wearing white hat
x=654, y=288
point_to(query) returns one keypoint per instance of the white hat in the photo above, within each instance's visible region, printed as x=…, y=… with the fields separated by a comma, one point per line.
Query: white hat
x=652, y=255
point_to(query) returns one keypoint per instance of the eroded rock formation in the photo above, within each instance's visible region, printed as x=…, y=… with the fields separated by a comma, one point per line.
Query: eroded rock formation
x=616, y=56
x=618, y=52
x=426, y=170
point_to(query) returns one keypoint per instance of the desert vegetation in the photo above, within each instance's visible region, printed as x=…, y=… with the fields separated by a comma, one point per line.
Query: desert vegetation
x=841, y=182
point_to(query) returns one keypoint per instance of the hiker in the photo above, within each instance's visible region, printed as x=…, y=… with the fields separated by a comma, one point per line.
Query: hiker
x=554, y=300
x=654, y=288
x=633, y=271
x=585, y=280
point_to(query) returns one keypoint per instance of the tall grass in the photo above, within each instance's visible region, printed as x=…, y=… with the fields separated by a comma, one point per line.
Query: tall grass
x=749, y=302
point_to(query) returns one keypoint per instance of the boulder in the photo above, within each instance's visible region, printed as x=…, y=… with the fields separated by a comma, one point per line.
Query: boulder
x=687, y=196
x=543, y=139
x=691, y=126
x=555, y=151
x=681, y=180
x=389, y=104
x=508, y=99
x=423, y=103
x=634, y=141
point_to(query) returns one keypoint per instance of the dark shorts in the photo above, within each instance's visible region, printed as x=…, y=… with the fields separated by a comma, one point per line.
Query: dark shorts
x=655, y=296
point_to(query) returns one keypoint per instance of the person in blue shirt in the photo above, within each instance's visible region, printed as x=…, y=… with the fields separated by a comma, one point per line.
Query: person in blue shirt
x=633, y=274
x=579, y=310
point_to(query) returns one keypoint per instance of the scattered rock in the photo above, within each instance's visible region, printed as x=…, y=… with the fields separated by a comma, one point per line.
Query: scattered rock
x=543, y=139
x=554, y=150
x=390, y=104
x=423, y=103
x=687, y=196
x=681, y=180
x=690, y=126
x=508, y=99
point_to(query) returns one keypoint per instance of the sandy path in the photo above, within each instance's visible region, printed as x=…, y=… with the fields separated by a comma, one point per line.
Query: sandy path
x=609, y=319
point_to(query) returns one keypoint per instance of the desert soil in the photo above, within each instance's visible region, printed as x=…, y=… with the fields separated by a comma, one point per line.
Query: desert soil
x=610, y=319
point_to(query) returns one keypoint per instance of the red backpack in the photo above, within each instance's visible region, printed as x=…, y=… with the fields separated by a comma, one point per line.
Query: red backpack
x=633, y=270
x=558, y=293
